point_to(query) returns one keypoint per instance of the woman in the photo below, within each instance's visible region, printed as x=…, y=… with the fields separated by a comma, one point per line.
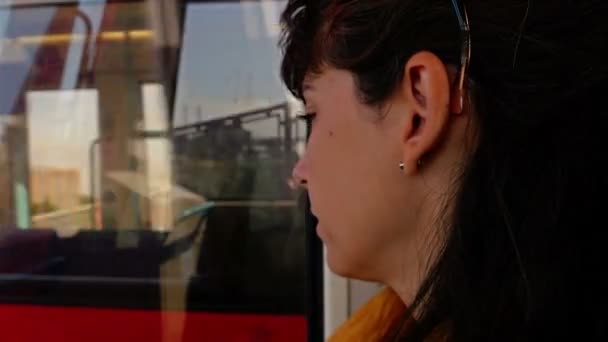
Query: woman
x=456, y=155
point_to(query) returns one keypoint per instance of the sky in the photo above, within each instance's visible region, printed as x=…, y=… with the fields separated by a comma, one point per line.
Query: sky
x=230, y=62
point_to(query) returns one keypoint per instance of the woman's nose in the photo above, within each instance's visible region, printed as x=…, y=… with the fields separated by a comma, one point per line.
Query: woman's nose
x=299, y=175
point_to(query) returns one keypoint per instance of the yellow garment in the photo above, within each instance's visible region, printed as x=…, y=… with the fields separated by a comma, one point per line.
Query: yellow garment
x=373, y=320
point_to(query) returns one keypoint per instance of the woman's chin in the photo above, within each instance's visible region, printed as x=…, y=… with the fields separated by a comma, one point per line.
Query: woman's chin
x=338, y=266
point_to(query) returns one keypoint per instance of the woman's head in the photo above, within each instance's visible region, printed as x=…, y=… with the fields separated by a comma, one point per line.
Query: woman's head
x=371, y=135
x=502, y=200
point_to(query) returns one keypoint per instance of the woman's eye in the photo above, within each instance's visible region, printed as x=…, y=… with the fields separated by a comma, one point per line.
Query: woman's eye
x=308, y=117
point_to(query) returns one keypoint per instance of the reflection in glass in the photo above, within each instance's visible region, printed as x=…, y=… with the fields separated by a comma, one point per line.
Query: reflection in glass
x=145, y=152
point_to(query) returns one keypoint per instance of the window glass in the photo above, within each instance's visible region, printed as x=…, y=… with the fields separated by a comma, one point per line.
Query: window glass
x=145, y=152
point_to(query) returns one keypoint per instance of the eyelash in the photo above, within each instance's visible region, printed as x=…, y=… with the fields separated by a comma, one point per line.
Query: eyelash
x=307, y=117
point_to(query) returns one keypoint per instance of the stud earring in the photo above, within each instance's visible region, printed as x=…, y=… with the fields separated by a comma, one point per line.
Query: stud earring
x=402, y=165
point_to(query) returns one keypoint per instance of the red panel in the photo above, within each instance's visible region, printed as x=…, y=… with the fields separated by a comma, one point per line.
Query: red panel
x=57, y=324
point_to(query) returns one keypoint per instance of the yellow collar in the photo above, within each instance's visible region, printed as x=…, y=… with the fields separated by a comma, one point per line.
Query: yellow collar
x=373, y=321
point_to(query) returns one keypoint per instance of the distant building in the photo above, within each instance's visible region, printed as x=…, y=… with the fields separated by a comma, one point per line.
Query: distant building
x=57, y=187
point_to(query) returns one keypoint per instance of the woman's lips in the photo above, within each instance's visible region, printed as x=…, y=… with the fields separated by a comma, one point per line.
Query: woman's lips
x=320, y=231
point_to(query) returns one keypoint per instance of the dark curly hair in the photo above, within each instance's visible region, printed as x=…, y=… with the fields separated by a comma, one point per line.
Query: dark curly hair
x=524, y=248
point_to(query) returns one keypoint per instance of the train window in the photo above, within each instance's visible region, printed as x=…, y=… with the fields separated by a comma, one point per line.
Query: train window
x=145, y=152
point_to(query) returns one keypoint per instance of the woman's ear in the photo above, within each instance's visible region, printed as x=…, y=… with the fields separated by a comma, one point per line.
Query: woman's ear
x=425, y=86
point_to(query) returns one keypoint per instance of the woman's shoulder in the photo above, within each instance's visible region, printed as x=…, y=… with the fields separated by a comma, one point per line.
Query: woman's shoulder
x=373, y=321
